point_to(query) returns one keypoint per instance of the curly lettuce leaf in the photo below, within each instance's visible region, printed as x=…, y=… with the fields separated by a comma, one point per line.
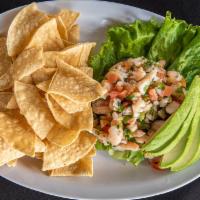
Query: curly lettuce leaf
x=188, y=62
x=172, y=37
x=131, y=40
x=134, y=157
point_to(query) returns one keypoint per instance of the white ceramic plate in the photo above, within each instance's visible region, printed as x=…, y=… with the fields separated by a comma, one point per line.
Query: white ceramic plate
x=112, y=179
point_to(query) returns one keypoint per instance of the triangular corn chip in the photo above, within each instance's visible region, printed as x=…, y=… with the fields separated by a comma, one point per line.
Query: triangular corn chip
x=75, y=55
x=8, y=154
x=73, y=84
x=16, y=132
x=47, y=37
x=25, y=23
x=27, y=62
x=57, y=157
x=33, y=108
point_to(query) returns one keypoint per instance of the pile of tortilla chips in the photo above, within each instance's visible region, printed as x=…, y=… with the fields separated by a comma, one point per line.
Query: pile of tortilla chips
x=46, y=90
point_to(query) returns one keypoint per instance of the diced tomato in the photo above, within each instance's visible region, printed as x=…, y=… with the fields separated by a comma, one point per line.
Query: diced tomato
x=113, y=94
x=127, y=65
x=167, y=91
x=123, y=94
x=114, y=122
x=112, y=77
x=153, y=94
x=161, y=74
x=129, y=88
x=183, y=83
x=155, y=164
x=119, y=88
x=105, y=128
x=120, y=94
x=126, y=103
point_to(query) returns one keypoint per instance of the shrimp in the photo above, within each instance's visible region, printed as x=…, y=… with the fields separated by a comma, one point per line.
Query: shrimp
x=137, y=106
x=115, y=135
x=132, y=127
x=157, y=125
x=172, y=107
x=106, y=85
x=101, y=107
x=113, y=76
x=131, y=146
x=146, y=81
x=138, y=74
x=153, y=94
x=141, y=140
x=173, y=77
x=138, y=133
x=138, y=61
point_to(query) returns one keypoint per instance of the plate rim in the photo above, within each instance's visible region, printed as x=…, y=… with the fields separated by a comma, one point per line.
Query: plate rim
x=43, y=191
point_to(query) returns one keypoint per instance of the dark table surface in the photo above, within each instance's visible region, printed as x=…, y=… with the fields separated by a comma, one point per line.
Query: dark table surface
x=185, y=9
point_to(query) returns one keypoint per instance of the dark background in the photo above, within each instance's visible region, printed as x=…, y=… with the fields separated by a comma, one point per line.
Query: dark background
x=185, y=9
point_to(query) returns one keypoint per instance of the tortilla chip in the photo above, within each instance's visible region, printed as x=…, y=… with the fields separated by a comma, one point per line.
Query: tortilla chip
x=83, y=167
x=61, y=136
x=68, y=17
x=61, y=28
x=47, y=37
x=39, y=156
x=44, y=85
x=57, y=157
x=16, y=132
x=68, y=105
x=87, y=70
x=27, y=79
x=92, y=153
x=25, y=23
x=74, y=34
x=8, y=154
x=6, y=81
x=39, y=145
x=73, y=84
x=12, y=163
x=4, y=99
x=12, y=104
x=27, y=62
x=34, y=109
x=5, y=60
x=75, y=55
x=76, y=121
x=43, y=74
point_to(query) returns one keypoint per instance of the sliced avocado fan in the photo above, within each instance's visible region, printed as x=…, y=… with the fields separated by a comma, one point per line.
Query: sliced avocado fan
x=191, y=146
x=174, y=123
x=179, y=135
x=186, y=151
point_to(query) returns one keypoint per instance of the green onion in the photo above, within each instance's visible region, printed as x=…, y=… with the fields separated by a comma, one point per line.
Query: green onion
x=130, y=97
x=126, y=118
x=161, y=86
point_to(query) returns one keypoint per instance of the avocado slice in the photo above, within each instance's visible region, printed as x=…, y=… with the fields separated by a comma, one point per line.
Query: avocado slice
x=174, y=154
x=185, y=152
x=191, y=147
x=179, y=135
x=173, y=124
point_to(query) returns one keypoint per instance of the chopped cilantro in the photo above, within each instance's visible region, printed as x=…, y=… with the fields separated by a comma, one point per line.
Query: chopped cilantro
x=146, y=88
x=120, y=108
x=126, y=118
x=127, y=134
x=130, y=97
x=142, y=116
x=143, y=125
x=179, y=90
x=161, y=86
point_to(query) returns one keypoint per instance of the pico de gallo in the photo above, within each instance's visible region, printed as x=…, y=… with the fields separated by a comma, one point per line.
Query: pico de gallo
x=140, y=97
